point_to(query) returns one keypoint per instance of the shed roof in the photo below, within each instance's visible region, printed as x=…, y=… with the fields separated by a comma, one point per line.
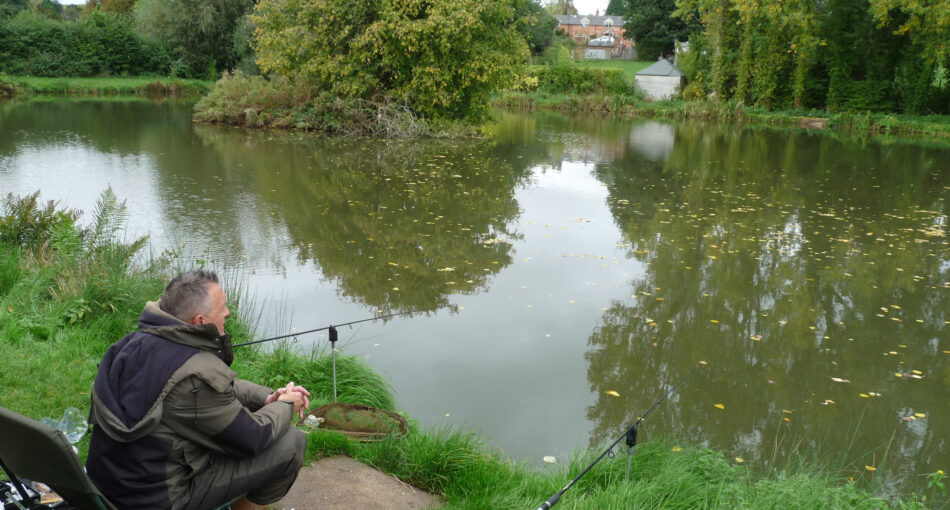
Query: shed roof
x=662, y=67
x=595, y=21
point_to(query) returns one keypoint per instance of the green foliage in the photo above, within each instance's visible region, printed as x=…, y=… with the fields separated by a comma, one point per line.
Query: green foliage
x=559, y=7
x=443, y=59
x=198, y=33
x=534, y=24
x=570, y=78
x=26, y=223
x=98, y=44
x=840, y=55
x=560, y=51
x=256, y=101
x=651, y=24
x=113, y=6
x=9, y=8
x=80, y=266
x=245, y=58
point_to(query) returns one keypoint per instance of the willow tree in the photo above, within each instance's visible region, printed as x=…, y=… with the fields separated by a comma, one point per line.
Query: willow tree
x=441, y=58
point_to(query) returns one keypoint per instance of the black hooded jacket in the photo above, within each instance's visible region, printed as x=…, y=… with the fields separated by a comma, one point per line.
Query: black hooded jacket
x=164, y=402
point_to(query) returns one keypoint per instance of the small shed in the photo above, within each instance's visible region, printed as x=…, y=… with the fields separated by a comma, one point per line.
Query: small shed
x=661, y=80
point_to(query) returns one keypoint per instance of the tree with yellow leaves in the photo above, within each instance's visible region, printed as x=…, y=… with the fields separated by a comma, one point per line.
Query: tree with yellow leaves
x=441, y=58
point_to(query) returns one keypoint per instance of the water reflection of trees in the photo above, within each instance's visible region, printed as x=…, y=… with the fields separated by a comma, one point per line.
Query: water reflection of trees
x=399, y=225
x=781, y=261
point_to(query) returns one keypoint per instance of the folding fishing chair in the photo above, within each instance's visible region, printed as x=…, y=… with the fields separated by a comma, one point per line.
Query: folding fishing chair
x=32, y=450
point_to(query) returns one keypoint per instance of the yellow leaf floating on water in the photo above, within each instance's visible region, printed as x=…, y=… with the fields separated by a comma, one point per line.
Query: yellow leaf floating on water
x=676, y=449
x=714, y=321
x=870, y=468
x=740, y=460
x=612, y=393
x=920, y=415
x=864, y=395
x=720, y=406
x=838, y=379
x=395, y=288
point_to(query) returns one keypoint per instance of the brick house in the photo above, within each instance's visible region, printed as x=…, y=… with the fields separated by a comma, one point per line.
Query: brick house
x=598, y=37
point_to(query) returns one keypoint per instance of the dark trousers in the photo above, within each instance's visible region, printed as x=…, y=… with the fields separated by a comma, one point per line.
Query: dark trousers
x=263, y=479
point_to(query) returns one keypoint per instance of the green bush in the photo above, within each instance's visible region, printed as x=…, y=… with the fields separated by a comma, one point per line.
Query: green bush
x=98, y=44
x=570, y=78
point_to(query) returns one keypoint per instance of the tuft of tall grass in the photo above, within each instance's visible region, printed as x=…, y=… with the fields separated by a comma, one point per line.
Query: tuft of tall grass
x=357, y=383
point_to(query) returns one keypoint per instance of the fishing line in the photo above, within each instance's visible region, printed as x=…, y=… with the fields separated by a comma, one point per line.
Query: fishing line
x=333, y=336
x=630, y=435
x=332, y=326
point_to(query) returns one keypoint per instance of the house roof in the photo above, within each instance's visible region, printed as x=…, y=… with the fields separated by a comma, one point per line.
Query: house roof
x=595, y=21
x=662, y=67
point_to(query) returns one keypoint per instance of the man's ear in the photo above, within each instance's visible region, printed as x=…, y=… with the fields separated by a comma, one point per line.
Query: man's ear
x=197, y=319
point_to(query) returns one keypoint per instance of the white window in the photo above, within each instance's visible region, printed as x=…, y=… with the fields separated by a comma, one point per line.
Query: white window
x=585, y=22
x=609, y=22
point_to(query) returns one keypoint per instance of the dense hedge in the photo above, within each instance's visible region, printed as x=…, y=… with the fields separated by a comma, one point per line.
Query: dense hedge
x=97, y=44
x=574, y=79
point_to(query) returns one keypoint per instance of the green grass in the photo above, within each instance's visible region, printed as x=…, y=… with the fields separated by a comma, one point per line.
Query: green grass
x=65, y=298
x=133, y=85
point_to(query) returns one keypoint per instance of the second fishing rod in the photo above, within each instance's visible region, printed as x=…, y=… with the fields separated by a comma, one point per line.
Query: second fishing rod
x=333, y=337
x=631, y=437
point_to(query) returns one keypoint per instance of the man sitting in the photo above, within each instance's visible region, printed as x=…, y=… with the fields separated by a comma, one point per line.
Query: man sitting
x=174, y=428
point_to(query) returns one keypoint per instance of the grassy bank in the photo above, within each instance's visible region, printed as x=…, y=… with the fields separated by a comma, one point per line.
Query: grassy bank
x=631, y=105
x=11, y=86
x=68, y=291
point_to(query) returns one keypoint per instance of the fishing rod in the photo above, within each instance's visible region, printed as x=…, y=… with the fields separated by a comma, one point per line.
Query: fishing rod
x=331, y=329
x=630, y=435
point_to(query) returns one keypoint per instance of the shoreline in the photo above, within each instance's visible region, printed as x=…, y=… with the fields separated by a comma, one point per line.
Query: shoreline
x=734, y=113
x=301, y=115
x=147, y=86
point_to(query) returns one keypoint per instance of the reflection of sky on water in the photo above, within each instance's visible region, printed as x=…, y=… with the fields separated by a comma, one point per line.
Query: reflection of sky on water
x=654, y=140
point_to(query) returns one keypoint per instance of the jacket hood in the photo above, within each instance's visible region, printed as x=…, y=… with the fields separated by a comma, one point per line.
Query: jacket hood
x=137, y=372
x=205, y=337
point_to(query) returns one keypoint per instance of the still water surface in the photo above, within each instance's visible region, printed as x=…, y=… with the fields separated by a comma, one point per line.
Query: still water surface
x=806, y=277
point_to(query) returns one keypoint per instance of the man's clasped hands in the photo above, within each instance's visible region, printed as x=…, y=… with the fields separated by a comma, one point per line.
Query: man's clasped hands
x=298, y=395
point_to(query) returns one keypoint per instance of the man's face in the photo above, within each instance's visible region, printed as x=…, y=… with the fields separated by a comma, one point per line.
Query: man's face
x=219, y=309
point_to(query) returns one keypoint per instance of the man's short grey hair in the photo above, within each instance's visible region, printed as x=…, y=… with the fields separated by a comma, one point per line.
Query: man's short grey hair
x=187, y=295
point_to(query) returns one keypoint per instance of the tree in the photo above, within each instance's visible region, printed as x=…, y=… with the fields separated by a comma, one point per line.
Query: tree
x=49, y=8
x=442, y=58
x=9, y=8
x=534, y=24
x=201, y=32
x=651, y=24
x=615, y=8
x=560, y=7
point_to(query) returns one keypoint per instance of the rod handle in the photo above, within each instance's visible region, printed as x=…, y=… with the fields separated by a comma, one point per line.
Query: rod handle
x=550, y=502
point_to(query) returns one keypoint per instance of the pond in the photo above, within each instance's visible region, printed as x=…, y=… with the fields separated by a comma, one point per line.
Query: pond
x=564, y=272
